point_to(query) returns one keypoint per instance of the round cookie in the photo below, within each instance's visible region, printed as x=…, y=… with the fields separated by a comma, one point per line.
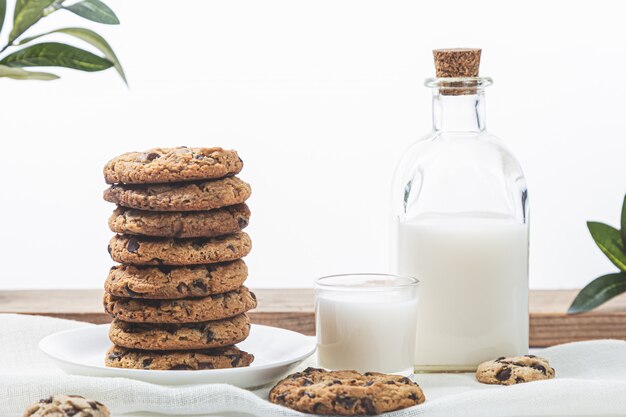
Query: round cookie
x=209, y=334
x=189, y=310
x=172, y=282
x=218, y=358
x=172, y=165
x=346, y=393
x=67, y=405
x=192, y=196
x=514, y=370
x=210, y=223
x=140, y=250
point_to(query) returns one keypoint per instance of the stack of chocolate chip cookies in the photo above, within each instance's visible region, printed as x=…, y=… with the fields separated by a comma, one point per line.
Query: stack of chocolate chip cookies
x=177, y=299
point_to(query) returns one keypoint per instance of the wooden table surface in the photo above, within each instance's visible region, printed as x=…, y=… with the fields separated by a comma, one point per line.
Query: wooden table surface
x=293, y=309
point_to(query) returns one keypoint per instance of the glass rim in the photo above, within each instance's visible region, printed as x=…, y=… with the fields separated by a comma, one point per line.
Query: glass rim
x=411, y=282
x=457, y=83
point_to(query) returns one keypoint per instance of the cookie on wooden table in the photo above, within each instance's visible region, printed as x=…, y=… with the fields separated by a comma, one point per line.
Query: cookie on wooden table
x=205, y=335
x=188, y=310
x=218, y=358
x=141, y=250
x=172, y=282
x=185, y=196
x=67, y=406
x=172, y=165
x=514, y=370
x=346, y=393
x=210, y=223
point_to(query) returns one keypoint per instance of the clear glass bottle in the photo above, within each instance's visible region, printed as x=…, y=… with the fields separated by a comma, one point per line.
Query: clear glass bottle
x=461, y=226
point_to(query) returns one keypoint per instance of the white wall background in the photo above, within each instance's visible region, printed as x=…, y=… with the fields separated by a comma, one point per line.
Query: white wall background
x=320, y=98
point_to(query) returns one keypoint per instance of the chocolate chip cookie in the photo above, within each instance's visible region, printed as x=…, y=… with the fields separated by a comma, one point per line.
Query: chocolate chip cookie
x=189, y=310
x=210, y=223
x=218, y=358
x=346, y=393
x=172, y=165
x=67, y=406
x=140, y=250
x=514, y=370
x=186, y=196
x=171, y=282
x=209, y=334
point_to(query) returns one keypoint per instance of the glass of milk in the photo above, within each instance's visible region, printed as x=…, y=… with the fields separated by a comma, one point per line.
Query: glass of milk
x=366, y=322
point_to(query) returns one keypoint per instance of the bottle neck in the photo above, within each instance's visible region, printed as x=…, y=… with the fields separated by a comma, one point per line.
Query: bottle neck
x=459, y=113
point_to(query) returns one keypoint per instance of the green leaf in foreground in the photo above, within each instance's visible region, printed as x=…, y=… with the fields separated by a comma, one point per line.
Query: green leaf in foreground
x=610, y=242
x=95, y=11
x=27, y=13
x=623, y=223
x=598, y=292
x=52, y=54
x=22, y=74
x=91, y=38
x=3, y=12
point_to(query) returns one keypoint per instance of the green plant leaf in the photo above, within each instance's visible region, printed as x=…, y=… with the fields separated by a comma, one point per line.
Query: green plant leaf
x=27, y=13
x=610, y=242
x=3, y=12
x=623, y=223
x=19, y=4
x=94, y=10
x=53, y=54
x=91, y=38
x=598, y=291
x=22, y=74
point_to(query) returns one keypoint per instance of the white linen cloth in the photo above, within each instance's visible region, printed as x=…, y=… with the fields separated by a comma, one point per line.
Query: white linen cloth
x=591, y=381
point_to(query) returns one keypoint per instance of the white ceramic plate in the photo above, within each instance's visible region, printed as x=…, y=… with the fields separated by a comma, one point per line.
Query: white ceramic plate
x=276, y=353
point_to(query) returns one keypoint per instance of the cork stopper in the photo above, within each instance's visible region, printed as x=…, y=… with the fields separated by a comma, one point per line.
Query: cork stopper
x=457, y=63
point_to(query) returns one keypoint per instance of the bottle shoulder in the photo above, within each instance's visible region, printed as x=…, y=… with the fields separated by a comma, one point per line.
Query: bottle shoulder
x=445, y=147
x=448, y=172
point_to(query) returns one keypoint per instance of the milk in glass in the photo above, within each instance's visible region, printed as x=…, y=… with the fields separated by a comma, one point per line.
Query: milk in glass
x=366, y=322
